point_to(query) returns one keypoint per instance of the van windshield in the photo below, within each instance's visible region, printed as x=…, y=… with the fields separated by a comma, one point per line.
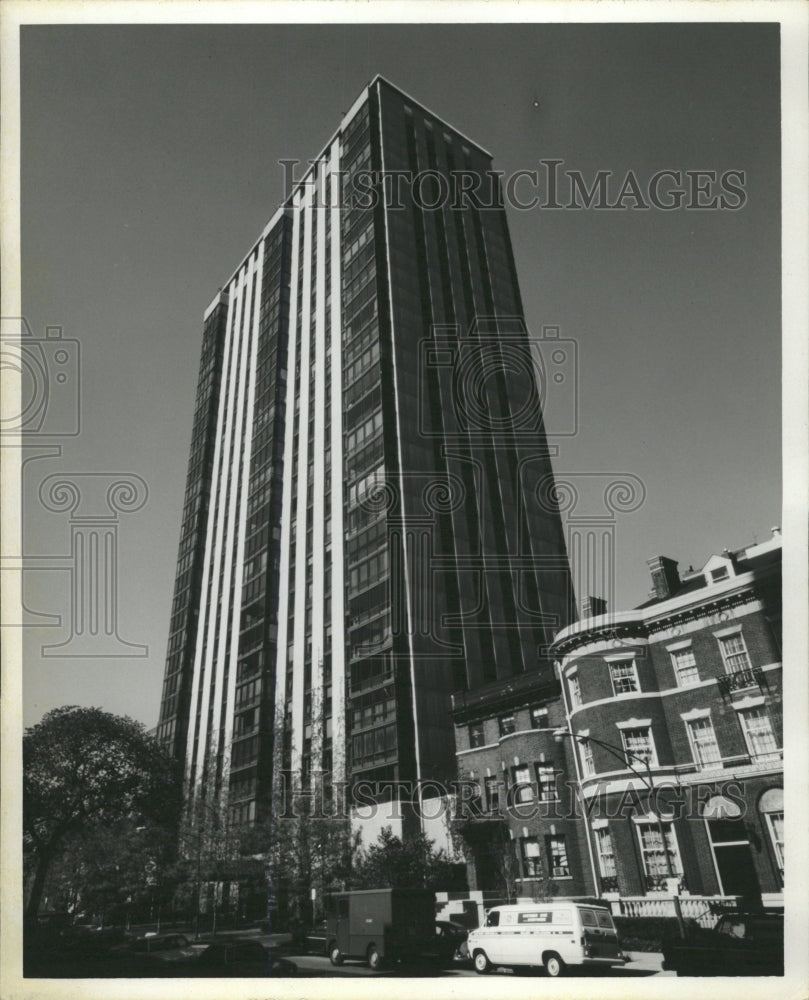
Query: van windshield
x=493, y=918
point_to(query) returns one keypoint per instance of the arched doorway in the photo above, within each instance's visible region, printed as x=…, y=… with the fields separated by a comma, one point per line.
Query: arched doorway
x=730, y=847
x=771, y=807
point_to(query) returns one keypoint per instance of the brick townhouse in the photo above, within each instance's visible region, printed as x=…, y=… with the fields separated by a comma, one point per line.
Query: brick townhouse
x=521, y=829
x=687, y=689
x=653, y=762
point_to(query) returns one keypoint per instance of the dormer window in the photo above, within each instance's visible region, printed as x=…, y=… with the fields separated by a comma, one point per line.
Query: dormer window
x=719, y=568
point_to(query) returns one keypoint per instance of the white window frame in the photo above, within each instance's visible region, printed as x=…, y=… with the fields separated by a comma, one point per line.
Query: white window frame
x=547, y=770
x=646, y=823
x=776, y=841
x=685, y=650
x=557, y=871
x=574, y=686
x=500, y=727
x=690, y=724
x=532, y=842
x=637, y=726
x=727, y=636
x=743, y=714
x=623, y=662
x=603, y=865
x=523, y=787
x=588, y=766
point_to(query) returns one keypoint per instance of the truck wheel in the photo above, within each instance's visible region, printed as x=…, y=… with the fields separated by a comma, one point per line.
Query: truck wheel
x=374, y=958
x=553, y=963
x=482, y=963
x=335, y=955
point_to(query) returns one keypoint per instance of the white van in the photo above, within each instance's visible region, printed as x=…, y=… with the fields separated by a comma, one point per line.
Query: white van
x=554, y=935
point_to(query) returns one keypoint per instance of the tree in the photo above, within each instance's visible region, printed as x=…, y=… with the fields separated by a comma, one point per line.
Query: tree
x=394, y=863
x=84, y=769
x=116, y=871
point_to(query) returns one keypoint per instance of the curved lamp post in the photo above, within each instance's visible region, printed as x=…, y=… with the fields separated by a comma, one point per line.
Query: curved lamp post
x=626, y=757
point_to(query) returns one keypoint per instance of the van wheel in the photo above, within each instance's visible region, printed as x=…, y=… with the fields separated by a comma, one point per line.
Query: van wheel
x=335, y=955
x=482, y=963
x=553, y=963
x=374, y=958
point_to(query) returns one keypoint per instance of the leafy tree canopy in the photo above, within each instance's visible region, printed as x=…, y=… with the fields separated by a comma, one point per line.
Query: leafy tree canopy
x=393, y=863
x=84, y=768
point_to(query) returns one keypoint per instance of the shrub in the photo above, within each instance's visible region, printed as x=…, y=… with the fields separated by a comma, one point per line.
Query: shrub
x=648, y=933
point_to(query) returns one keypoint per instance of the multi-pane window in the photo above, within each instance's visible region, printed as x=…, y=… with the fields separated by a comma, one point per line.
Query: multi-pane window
x=557, y=856
x=657, y=861
x=775, y=824
x=685, y=667
x=531, y=857
x=507, y=723
x=702, y=737
x=546, y=783
x=587, y=763
x=734, y=652
x=638, y=744
x=606, y=853
x=523, y=792
x=539, y=718
x=575, y=690
x=476, y=736
x=492, y=786
x=624, y=677
x=758, y=731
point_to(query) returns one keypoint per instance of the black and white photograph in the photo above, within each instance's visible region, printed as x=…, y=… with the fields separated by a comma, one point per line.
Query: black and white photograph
x=404, y=451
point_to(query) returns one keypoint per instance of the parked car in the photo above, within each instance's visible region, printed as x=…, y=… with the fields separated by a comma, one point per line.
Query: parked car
x=242, y=957
x=552, y=935
x=739, y=944
x=451, y=941
x=315, y=940
x=164, y=948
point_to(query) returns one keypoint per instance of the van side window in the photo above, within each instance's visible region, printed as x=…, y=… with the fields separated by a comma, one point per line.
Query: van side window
x=588, y=918
x=493, y=919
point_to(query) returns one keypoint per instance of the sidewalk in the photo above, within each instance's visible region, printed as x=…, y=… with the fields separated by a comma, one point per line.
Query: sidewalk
x=645, y=961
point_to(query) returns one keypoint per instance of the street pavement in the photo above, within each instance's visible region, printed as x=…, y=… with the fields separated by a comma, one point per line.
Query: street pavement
x=642, y=964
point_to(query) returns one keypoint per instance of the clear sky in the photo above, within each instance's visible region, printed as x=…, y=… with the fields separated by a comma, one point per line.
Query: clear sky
x=149, y=166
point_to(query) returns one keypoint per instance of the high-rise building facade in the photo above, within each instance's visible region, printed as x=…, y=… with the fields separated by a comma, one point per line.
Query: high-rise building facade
x=366, y=526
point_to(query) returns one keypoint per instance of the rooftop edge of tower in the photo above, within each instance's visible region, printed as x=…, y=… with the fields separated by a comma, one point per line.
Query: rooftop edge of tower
x=362, y=97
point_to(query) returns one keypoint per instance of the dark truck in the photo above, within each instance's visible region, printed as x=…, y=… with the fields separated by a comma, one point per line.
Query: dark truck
x=740, y=944
x=380, y=925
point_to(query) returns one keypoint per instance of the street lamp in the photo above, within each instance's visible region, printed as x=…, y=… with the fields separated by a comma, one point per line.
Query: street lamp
x=626, y=757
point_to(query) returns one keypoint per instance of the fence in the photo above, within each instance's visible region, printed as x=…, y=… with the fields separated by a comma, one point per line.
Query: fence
x=704, y=909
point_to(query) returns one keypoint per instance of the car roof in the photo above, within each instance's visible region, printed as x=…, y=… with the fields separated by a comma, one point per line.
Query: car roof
x=548, y=905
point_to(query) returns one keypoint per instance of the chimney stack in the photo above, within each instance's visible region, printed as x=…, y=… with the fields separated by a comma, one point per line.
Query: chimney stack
x=665, y=578
x=592, y=606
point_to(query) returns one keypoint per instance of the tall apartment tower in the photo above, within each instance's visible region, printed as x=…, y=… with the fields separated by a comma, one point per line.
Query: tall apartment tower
x=367, y=526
